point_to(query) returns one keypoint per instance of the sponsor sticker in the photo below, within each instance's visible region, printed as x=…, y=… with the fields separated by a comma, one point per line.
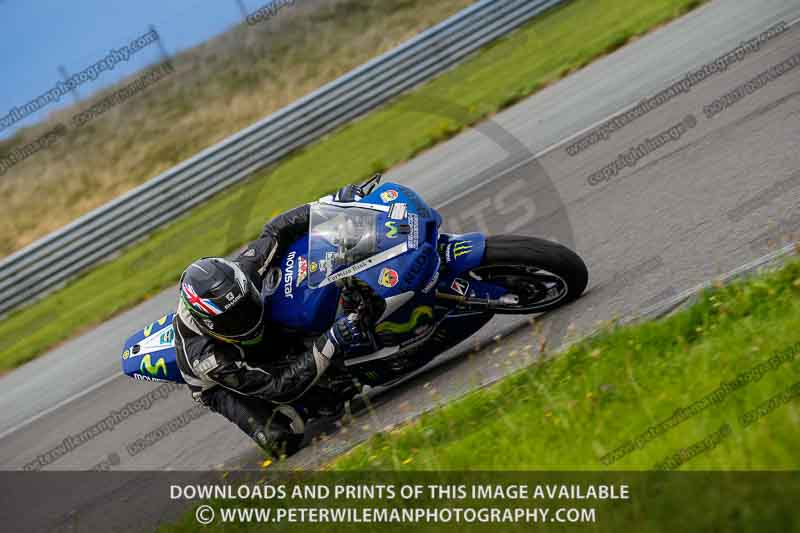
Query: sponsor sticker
x=168, y=336
x=232, y=299
x=147, y=367
x=159, y=340
x=302, y=270
x=413, y=235
x=388, y=277
x=398, y=211
x=392, y=229
x=367, y=263
x=389, y=195
x=314, y=266
x=457, y=249
x=148, y=378
x=126, y=354
x=460, y=286
x=288, y=275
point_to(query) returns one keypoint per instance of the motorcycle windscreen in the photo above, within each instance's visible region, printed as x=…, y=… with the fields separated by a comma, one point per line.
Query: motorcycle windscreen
x=338, y=238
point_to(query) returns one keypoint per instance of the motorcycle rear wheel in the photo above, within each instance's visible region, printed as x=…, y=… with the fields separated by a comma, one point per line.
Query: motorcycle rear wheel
x=543, y=275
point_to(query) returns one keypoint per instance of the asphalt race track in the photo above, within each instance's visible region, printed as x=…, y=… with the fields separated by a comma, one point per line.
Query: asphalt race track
x=721, y=192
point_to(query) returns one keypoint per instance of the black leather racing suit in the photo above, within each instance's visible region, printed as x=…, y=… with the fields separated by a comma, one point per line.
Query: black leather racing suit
x=246, y=383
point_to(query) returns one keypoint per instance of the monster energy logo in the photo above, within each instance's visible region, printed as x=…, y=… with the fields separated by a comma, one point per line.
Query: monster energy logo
x=405, y=327
x=461, y=248
x=149, y=368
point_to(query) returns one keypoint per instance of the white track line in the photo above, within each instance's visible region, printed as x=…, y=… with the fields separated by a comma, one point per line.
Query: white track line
x=60, y=404
x=666, y=306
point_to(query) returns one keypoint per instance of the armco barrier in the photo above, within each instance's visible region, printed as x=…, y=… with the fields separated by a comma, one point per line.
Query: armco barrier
x=54, y=259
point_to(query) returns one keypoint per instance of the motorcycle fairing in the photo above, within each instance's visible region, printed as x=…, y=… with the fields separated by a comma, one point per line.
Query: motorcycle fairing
x=294, y=305
x=398, y=217
x=149, y=354
x=429, y=263
x=461, y=253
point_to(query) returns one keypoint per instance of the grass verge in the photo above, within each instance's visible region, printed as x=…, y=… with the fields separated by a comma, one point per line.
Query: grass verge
x=732, y=360
x=581, y=409
x=213, y=90
x=544, y=50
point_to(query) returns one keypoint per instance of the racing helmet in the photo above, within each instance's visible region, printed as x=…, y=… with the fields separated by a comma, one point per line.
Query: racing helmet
x=225, y=304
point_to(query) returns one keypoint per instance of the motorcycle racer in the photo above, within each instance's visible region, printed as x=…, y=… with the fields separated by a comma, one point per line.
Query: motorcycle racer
x=239, y=364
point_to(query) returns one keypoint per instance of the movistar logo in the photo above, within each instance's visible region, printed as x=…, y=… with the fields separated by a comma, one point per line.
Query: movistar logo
x=461, y=248
x=149, y=329
x=405, y=327
x=392, y=233
x=151, y=369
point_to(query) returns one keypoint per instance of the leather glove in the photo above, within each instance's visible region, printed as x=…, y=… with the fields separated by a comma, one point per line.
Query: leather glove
x=359, y=297
x=350, y=336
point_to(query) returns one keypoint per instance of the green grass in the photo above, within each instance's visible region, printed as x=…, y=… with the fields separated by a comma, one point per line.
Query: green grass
x=573, y=409
x=547, y=48
x=566, y=412
x=239, y=77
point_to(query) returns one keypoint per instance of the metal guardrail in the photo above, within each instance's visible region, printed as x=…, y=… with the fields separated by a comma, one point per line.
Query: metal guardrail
x=49, y=262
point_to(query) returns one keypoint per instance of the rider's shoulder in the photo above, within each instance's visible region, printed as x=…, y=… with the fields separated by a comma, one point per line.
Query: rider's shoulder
x=197, y=344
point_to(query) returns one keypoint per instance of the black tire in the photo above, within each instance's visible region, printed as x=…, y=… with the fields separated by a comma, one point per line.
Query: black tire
x=287, y=445
x=508, y=259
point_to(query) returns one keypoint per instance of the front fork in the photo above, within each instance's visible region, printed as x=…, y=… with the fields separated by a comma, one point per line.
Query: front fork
x=460, y=254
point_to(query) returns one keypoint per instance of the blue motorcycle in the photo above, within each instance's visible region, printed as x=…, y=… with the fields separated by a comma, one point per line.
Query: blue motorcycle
x=424, y=291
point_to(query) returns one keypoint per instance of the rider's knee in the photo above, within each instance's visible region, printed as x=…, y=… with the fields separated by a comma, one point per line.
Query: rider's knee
x=282, y=434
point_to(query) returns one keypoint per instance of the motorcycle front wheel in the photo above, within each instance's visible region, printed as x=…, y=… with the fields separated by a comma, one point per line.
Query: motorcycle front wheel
x=540, y=275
